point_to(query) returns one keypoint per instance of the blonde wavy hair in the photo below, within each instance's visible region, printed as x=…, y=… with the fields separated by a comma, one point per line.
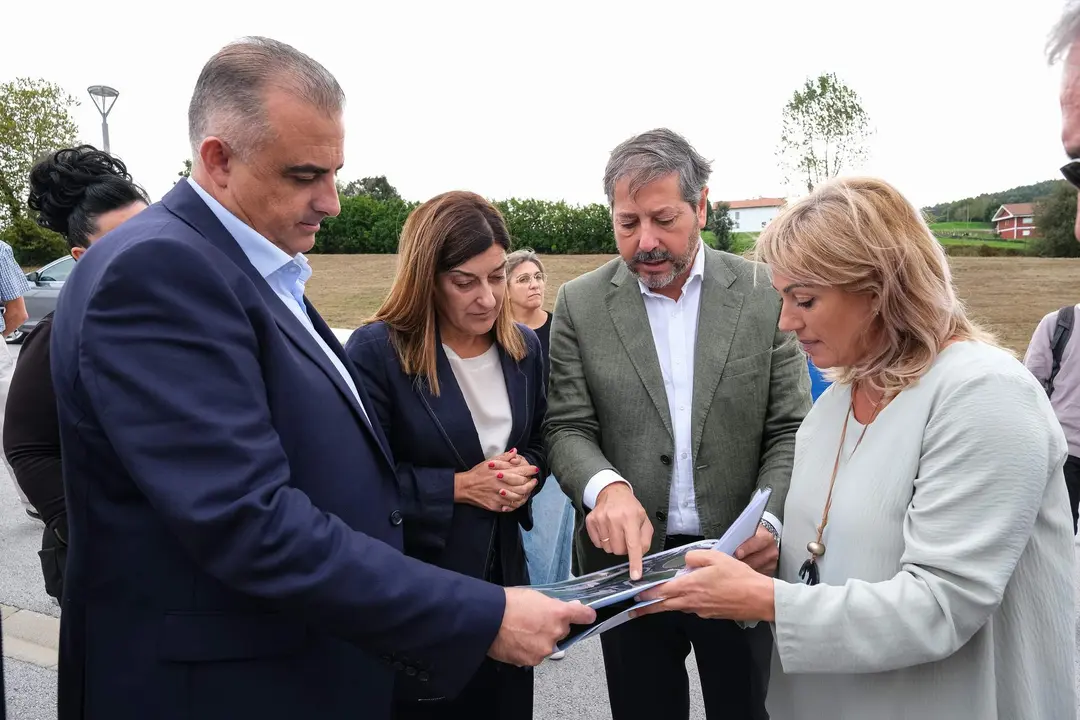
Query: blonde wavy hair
x=862, y=236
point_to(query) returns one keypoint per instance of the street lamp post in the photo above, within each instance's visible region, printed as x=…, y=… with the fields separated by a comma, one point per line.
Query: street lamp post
x=104, y=99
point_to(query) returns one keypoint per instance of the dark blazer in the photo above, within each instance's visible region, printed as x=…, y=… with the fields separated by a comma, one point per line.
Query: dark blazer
x=434, y=437
x=235, y=523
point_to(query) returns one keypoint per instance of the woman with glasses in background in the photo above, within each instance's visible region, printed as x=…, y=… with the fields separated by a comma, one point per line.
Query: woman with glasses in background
x=549, y=545
x=926, y=567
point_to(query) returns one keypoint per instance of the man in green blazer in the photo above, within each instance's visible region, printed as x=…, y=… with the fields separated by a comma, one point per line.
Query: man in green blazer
x=672, y=398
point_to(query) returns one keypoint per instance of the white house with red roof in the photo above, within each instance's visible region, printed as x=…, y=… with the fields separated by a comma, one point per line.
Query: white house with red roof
x=1015, y=221
x=754, y=215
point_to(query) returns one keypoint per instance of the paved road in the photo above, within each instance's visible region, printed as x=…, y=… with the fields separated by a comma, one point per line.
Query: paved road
x=567, y=689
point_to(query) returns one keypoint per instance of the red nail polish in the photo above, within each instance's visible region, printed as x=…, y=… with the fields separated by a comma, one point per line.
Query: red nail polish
x=491, y=465
x=503, y=493
x=499, y=476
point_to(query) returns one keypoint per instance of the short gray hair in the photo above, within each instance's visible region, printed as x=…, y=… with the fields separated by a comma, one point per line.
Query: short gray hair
x=652, y=155
x=1065, y=32
x=229, y=97
x=519, y=257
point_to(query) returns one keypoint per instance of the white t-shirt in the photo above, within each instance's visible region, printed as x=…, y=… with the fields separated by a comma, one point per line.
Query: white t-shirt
x=481, y=381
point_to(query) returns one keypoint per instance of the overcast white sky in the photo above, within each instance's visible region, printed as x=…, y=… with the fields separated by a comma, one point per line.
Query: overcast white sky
x=527, y=99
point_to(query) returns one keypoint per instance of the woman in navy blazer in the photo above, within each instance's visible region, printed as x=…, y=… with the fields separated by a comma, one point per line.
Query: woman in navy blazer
x=459, y=389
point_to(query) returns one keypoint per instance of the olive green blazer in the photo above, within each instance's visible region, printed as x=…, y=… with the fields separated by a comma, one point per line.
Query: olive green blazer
x=607, y=407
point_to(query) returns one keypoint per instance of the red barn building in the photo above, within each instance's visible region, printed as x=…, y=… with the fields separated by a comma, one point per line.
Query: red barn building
x=1015, y=221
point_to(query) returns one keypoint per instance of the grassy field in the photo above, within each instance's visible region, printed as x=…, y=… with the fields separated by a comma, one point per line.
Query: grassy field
x=962, y=227
x=1004, y=244
x=973, y=234
x=743, y=241
x=1008, y=294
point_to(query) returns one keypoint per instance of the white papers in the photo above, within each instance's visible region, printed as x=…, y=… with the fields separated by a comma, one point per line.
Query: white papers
x=745, y=525
x=613, y=585
x=611, y=591
x=596, y=629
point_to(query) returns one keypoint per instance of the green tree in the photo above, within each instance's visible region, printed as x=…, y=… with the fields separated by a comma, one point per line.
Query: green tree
x=1055, y=222
x=378, y=188
x=185, y=173
x=35, y=119
x=367, y=225
x=825, y=130
x=32, y=244
x=718, y=221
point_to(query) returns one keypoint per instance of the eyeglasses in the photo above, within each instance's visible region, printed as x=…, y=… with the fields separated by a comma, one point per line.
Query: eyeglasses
x=1071, y=171
x=524, y=279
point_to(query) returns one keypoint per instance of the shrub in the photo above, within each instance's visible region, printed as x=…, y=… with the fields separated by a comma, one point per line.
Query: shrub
x=32, y=244
x=370, y=225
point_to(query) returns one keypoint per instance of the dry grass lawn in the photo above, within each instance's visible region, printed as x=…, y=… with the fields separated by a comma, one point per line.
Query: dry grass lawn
x=1008, y=294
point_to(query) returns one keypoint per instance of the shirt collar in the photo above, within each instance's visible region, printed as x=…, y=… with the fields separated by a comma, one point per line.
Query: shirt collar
x=267, y=257
x=697, y=270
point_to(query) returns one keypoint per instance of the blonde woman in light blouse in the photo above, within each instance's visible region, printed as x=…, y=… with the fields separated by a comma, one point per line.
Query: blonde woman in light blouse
x=926, y=567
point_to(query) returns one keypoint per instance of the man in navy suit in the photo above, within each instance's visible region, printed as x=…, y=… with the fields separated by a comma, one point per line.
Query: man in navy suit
x=234, y=528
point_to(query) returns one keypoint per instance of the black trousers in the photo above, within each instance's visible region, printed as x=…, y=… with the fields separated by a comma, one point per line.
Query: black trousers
x=645, y=663
x=497, y=691
x=1072, y=482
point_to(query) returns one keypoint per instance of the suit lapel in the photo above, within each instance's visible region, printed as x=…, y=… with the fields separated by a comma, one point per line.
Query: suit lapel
x=450, y=413
x=335, y=347
x=628, y=314
x=186, y=204
x=517, y=388
x=717, y=318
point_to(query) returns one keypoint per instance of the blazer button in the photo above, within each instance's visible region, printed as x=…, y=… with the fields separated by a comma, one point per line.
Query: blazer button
x=410, y=671
x=661, y=515
x=422, y=676
x=666, y=459
x=395, y=517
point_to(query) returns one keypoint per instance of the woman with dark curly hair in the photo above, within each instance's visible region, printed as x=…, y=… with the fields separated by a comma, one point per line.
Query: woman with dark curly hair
x=82, y=194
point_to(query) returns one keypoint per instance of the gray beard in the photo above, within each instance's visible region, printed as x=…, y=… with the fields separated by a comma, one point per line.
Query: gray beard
x=678, y=265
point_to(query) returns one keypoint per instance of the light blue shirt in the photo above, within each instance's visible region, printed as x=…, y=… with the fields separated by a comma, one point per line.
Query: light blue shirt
x=285, y=275
x=13, y=283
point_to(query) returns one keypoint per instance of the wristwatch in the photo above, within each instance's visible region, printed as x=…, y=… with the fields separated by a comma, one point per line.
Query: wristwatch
x=769, y=526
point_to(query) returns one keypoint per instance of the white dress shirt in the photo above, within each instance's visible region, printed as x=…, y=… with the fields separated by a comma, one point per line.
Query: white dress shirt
x=674, y=325
x=285, y=275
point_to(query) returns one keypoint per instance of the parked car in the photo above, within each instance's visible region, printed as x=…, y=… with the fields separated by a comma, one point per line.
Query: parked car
x=45, y=285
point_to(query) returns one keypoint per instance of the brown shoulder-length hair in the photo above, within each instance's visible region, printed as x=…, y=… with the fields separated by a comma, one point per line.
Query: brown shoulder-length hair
x=441, y=234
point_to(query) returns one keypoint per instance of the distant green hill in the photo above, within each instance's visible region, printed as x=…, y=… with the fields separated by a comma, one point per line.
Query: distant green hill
x=982, y=207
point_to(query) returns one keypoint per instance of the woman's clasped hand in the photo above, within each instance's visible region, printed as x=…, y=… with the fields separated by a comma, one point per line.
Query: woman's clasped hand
x=502, y=484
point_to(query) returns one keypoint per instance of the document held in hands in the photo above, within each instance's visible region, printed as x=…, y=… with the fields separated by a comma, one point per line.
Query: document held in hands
x=611, y=592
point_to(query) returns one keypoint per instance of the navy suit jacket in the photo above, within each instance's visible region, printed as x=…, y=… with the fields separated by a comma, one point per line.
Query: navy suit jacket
x=432, y=437
x=234, y=521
